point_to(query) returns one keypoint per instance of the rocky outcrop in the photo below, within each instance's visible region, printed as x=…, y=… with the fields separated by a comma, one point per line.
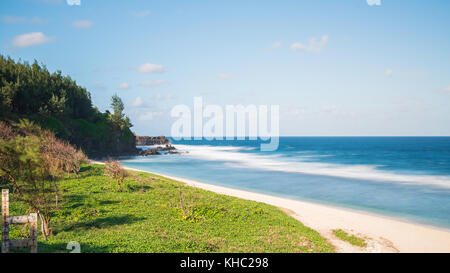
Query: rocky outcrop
x=157, y=151
x=148, y=140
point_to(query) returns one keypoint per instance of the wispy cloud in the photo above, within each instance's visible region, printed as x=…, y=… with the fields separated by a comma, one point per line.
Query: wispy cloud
x=100, y=86
x=73, y=2
x=151, y=68
x=447, y=89
x=224, y=76
x=13, y=19
x=275, y=45
x=312, y=46
x=30, y=39
x=138, y=102
x=388, y=73
x=82, y=24
x=124, y=86
x=141, y=14
x=151, y=83
x=163, y=97
x=149, y=115
x=8, y=19
x=373, y=2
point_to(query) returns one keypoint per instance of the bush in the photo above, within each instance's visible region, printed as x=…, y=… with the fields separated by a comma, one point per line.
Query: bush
x=114, y=170
x=6, y=132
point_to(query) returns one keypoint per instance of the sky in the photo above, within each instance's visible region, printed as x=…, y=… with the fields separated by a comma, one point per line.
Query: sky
x=335, y=68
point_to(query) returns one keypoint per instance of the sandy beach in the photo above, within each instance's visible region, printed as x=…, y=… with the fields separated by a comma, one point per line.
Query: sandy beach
x=383, y=234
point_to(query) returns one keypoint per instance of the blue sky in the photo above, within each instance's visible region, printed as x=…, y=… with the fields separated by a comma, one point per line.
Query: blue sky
x=371, y=70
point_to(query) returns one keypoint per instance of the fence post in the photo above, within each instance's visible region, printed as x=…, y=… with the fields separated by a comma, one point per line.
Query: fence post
x=33, y=233
x=5, y=222
x=31, y=219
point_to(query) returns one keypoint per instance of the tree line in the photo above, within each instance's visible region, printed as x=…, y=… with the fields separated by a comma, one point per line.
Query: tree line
x=57, y=103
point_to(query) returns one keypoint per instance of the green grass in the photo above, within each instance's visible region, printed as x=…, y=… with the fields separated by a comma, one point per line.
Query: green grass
x=352, y=239
x=143, y=217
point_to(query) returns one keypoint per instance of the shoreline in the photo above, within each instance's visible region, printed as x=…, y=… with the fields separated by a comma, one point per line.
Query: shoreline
x=383, y=233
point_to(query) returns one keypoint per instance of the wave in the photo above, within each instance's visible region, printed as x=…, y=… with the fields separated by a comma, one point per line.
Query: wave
x=234, y=158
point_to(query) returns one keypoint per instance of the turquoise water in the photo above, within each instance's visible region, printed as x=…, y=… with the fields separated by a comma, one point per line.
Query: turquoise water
x=404, y=177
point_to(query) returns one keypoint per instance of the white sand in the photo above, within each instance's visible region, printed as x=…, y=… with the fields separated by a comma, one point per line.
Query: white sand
x=383, y=234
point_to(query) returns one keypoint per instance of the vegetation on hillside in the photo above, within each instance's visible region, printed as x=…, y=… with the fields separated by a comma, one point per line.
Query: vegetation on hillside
x=154, y=214
x=352, y=239
x=57, y=103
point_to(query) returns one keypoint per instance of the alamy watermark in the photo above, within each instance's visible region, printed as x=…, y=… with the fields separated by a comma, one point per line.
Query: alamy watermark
x=213, y=122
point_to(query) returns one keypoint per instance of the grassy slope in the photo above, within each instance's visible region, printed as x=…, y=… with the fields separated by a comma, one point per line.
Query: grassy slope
x=135, y=220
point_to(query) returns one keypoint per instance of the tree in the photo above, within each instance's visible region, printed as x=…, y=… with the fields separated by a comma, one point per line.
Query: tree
x=21, y=165
x=118, y=119
x=32, y=160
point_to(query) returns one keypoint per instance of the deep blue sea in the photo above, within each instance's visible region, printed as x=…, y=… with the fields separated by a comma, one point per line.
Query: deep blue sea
x=403, y=177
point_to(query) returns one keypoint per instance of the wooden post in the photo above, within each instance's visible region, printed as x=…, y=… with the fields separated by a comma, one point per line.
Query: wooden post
x=33, y=233
x=5, y=222
x=7, y=244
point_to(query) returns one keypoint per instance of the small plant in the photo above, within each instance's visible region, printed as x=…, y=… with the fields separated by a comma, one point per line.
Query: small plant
x=114, y=170
x=186, y=205
x=352, y=239
x=142, y=181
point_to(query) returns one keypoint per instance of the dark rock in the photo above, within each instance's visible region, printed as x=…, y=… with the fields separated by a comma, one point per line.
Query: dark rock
x=156, y=151
x=148, y=140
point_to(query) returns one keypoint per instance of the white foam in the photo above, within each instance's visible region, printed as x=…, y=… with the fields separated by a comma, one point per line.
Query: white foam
x=231, y=154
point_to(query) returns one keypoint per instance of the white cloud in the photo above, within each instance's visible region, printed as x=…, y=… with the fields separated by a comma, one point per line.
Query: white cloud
x=295, y=111
x=13, y=19
x=138, y=102
x=373, y=2
x=74, y=2
x=100, y=86
x=151, y=68
x=224, y=76
x=82, y=24
x=152, y=83
x=388, y=73
x=149, y=116
x=162, y=97
x=36, y=20
x=447, y=90
x=312, y=46
x=124, y=86
x=275, y=45
x=18, y=19
x=30, y=39
x=141, y=14
x=330, y=109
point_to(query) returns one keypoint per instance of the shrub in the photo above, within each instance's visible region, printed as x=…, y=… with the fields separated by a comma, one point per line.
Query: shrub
x=59, y=158
x=114, y=170
x=6, y=132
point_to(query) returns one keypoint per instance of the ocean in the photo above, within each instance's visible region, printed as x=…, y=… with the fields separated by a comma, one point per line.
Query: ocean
x=401, y=177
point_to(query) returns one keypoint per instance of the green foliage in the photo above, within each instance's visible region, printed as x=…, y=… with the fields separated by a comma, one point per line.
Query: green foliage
x=29, y=89
x=57, y=103
x=135, y=220
x=352, y=239
x=32, y=160
x=118, y=119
